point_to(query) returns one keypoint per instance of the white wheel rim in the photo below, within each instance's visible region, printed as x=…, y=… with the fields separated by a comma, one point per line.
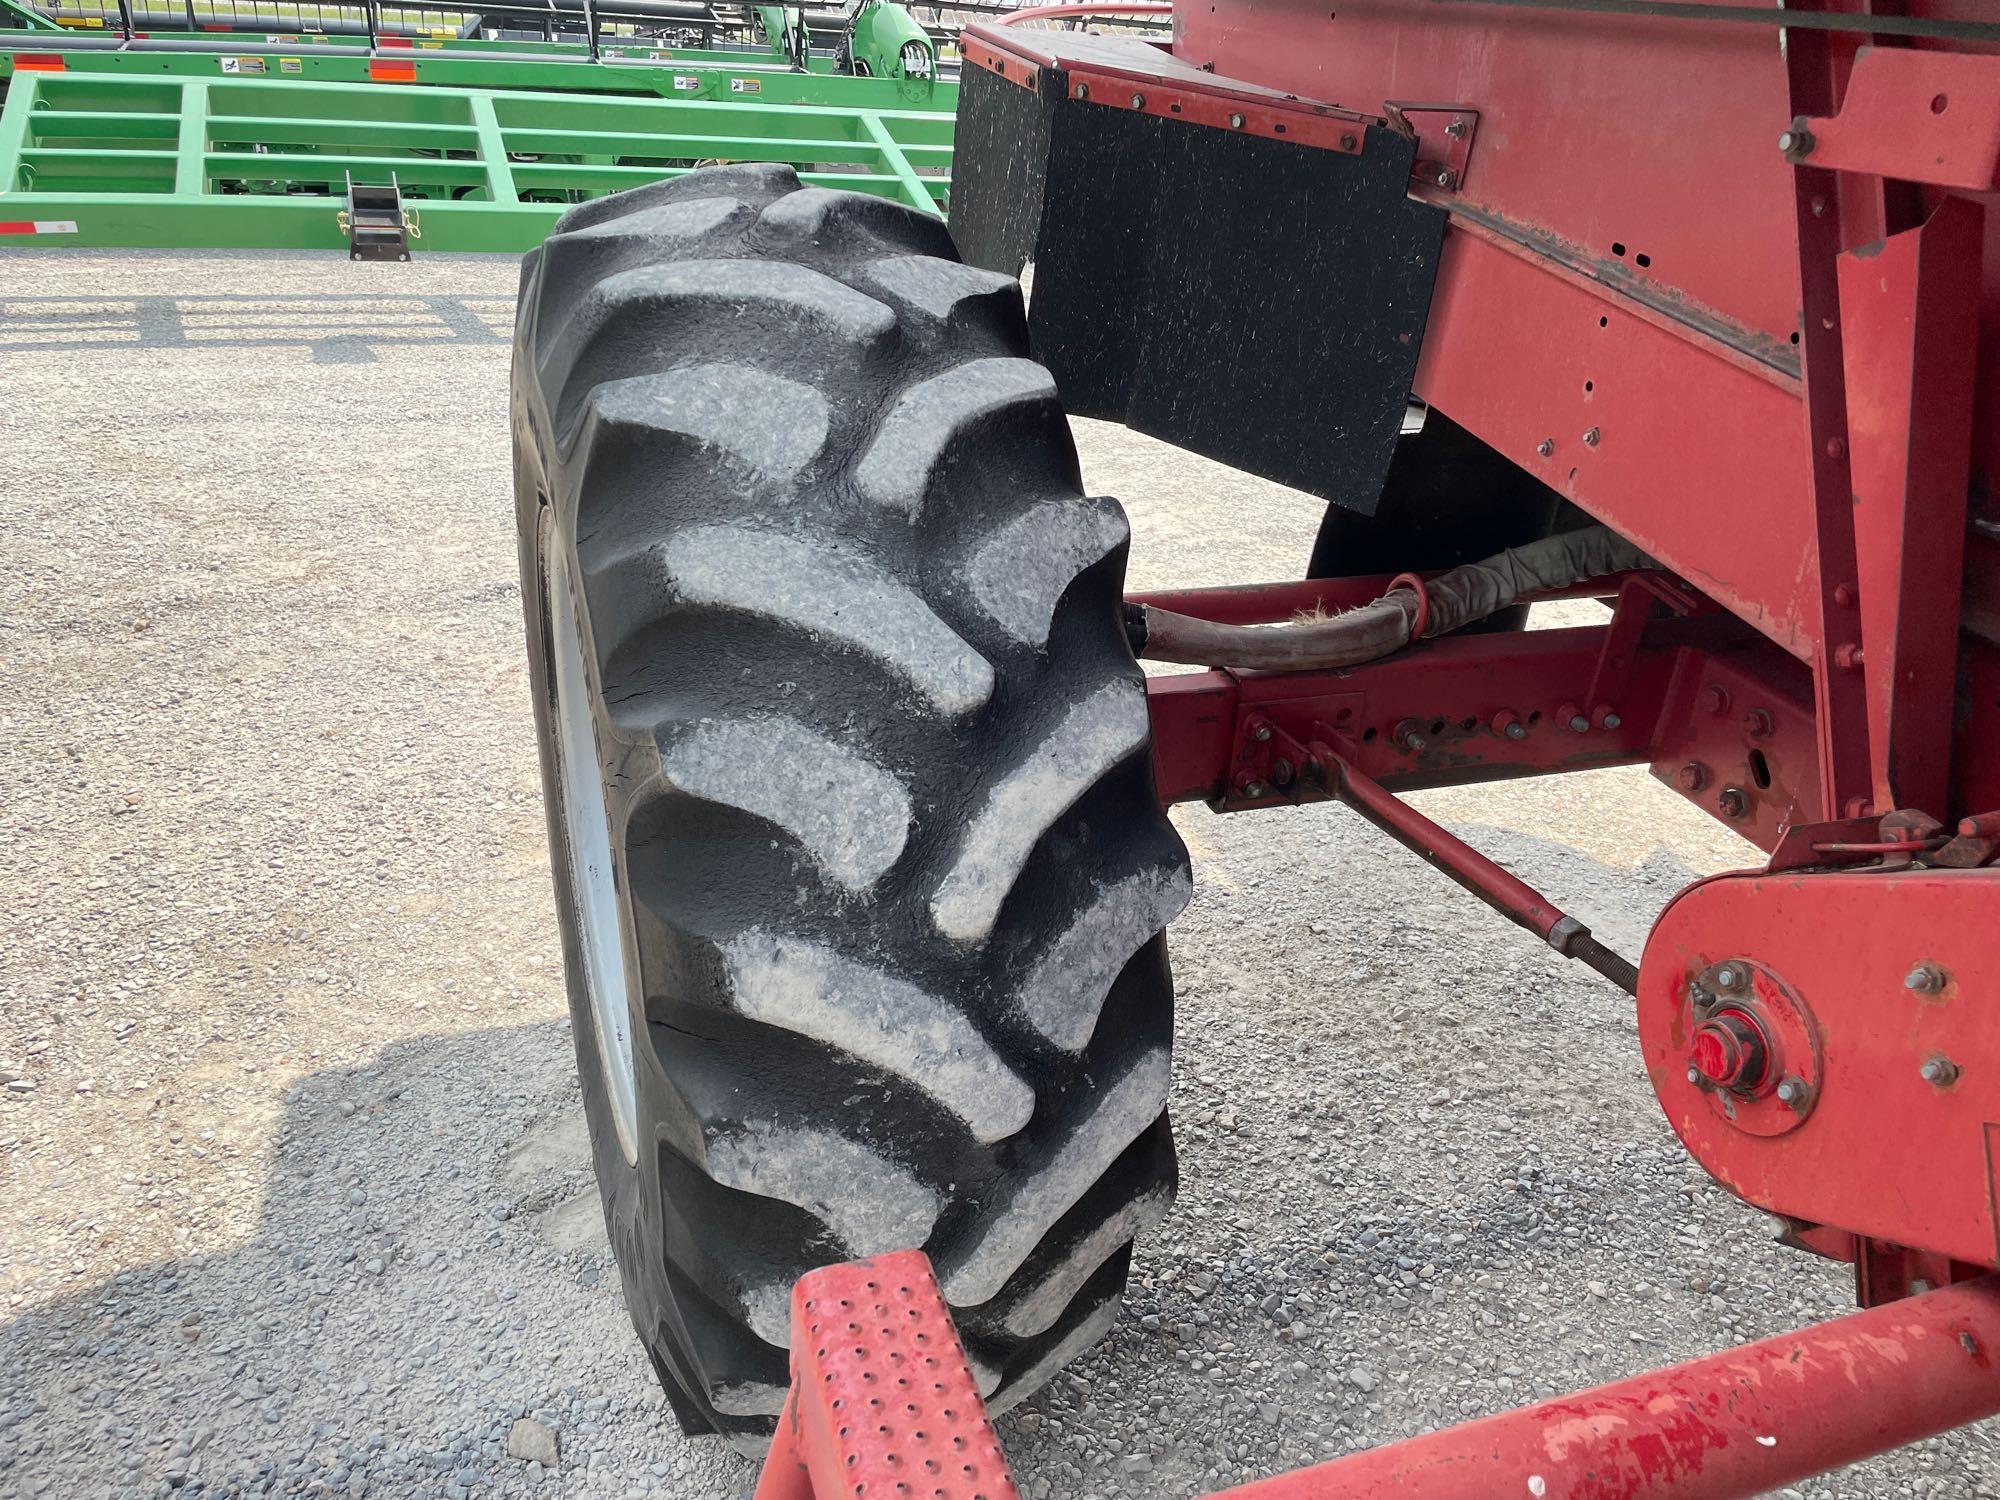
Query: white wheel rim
x=607, y=978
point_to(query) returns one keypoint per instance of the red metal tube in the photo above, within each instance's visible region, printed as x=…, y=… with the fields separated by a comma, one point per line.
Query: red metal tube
x=1087, y=8
x=1732, y=1424
x=1507, y=894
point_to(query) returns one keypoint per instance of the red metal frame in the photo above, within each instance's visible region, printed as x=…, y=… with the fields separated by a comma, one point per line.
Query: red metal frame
x=1732, y=299
x=883, y=1406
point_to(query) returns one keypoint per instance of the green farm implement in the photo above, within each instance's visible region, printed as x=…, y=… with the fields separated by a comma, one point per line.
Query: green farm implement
x=254, y=163
x=197, y=123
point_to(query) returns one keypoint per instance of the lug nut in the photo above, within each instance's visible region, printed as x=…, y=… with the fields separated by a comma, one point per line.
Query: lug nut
x=1729, y=977
x=1925, y=979
x=1734, y=802
x=1691, y=777
x=1939, y=1072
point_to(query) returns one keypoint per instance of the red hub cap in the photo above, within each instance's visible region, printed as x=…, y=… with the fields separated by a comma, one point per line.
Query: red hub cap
x=1730, y=1051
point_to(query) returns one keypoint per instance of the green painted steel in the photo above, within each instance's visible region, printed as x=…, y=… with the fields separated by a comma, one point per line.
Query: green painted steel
x=888, y=42
x=258, y=163
x=626, y=69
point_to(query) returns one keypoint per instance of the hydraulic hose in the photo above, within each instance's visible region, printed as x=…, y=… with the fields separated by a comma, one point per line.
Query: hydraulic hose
x=1408, y=610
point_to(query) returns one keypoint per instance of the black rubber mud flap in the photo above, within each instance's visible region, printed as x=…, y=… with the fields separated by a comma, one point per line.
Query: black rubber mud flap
x=1254, y=300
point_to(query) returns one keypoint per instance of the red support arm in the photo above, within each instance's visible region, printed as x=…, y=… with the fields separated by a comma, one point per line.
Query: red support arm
x=1733, y=1424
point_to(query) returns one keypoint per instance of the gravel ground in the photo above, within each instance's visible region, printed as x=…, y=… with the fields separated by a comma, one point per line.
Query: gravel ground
x=293, y=1193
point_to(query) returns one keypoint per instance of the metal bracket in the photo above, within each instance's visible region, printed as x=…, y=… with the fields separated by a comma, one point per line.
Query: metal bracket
x=1443, y=133
x=375, y=223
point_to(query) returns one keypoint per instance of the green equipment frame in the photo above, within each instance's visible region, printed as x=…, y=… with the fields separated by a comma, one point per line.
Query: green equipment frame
x=92, y=159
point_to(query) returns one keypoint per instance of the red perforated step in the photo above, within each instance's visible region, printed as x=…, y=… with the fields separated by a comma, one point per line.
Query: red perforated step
x=883, y=1405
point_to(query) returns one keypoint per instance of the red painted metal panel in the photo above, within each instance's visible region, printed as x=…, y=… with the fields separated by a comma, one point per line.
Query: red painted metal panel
x=1891, y=1148
x=1918, y=116
x=1589, y=131
x=1525, y=356
x=1910, y=307
x=1733, y=1424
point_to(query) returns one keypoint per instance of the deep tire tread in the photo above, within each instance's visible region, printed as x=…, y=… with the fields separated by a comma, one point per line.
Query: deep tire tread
x=779, y=973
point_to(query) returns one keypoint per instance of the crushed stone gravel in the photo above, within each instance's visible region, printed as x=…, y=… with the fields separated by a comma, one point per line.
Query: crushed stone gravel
x=294, y=1196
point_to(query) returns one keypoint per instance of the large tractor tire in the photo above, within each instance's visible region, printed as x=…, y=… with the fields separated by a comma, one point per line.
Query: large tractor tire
x=857, y=859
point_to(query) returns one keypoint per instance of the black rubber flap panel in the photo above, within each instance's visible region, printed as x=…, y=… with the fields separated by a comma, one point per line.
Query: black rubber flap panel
x=1255, y=301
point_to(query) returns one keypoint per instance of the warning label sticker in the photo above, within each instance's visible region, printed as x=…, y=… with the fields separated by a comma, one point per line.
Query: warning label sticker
x=242, y=64
x=686, y=83
x=746, y=85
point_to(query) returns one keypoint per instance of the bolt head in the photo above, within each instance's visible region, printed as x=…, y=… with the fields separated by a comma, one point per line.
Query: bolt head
x=1517, y=730
x=1546, y=447
x=1236, y=122
x=1138, y=101
x=1261, y=733
x=1695, y=1078
x=1613, y=721
x=1691, y=777
x=1590, y=438
x=1256, y=789
x=1791, y=1091
x=1924, y=979
x=1729, y=977
x=1456, y=130
x=1734, y=802
x=1579, y=724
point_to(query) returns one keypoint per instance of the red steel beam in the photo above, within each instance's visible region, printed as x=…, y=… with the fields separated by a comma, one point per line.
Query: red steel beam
x=1732, y=1424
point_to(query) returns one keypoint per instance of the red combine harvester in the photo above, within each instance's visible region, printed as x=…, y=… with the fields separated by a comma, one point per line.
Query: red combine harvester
x=857, y=789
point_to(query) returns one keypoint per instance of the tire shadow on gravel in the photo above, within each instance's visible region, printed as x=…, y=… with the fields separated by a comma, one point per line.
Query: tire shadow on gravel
x=429, y=1266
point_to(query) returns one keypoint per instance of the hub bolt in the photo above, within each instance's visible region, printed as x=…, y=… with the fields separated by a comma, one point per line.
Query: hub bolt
x=1940, y=1072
